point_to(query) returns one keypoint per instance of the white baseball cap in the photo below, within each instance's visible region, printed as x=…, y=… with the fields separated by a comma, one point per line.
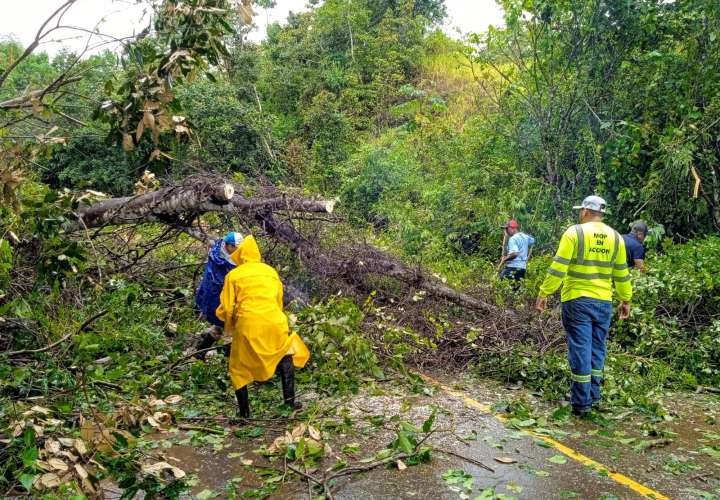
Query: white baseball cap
x=593, y=203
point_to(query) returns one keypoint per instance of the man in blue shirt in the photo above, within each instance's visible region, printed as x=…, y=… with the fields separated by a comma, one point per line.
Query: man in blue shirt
x=634, y=245
x=517, y=253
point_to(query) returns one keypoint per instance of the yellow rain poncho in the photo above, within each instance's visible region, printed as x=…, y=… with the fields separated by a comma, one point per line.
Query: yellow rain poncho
x=251, y=305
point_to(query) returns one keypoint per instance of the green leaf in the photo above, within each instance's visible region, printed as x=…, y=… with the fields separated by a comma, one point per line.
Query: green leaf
x=542, y=443
x=300, y=448
x=534, y=471
x=351, y=448
x=27, y=481
x=521, y=424
x=427, y=425
x=404, y=442
x=458, y=476
x=206, y=495
x=471, y=436
x=646, y=444
x=421, y=457
x=29, y=437
x=558, y=459
x=29, y=456
x=408, y=427
x=569, y=494
x=515, y=488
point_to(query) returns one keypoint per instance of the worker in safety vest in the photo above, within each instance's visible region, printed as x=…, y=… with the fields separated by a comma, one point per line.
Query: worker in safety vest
x=591, y=256
x=251, y=307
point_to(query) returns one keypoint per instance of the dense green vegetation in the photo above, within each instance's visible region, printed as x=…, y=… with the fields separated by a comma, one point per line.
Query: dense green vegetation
x=430, y=143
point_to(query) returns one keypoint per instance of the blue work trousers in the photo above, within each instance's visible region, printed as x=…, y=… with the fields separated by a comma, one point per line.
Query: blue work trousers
x=586, y=322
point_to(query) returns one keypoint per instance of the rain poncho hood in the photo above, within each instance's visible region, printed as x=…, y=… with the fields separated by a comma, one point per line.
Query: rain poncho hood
x=248, y=251
x=251, y=305
x=207, y=298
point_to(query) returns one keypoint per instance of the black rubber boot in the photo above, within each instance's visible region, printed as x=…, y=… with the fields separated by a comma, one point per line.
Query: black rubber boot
x=287, y=377
x=243, y=402
x=581, y=412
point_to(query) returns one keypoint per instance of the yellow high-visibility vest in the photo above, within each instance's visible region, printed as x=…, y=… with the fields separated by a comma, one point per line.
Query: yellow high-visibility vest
x=589, y=259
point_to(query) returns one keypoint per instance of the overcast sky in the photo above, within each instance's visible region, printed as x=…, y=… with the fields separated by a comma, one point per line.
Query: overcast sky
x=120, y=18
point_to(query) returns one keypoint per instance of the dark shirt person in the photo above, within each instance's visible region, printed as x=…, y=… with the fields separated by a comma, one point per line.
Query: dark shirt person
x=634, y=245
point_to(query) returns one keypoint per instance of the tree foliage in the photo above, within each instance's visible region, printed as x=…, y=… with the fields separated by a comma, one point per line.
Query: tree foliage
x=430, y=143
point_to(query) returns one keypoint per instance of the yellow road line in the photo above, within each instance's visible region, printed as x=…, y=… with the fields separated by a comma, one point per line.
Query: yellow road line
x=566, y=450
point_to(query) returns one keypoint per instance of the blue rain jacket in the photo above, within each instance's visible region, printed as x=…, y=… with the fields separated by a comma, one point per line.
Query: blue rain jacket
x=207, y=298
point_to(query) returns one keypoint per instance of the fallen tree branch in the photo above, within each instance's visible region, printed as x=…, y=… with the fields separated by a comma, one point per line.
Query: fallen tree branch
x=26, y=101
x=106, y=384
x=191, y=355
x=82, y=328
x=372, y=465
x=467, y=459
x=355, y=265
x=209, y=430
x=305, y=475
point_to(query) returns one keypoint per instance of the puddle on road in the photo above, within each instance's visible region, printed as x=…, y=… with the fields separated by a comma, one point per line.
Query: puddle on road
x=214, y=469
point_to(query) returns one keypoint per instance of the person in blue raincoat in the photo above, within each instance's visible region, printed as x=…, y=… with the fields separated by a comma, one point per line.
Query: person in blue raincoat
x=207, y=298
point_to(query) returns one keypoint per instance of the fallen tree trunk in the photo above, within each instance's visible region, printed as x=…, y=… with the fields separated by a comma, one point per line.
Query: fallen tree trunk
x=179, y=205
x=176, y=203
x=156, y=206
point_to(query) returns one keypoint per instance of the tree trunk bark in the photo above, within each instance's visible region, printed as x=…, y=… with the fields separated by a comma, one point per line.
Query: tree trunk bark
x=172, y=203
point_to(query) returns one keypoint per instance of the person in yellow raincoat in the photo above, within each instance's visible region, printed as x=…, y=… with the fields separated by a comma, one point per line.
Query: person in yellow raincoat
x=251, y=305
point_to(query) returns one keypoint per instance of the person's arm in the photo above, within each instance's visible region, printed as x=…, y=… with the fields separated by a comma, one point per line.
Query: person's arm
x=508, y=257
x=513, y=250
x=621, y=277
x=558, y=268
x=639, y=259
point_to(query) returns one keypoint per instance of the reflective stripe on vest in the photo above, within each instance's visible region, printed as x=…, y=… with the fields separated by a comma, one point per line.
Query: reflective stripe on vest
x=580, y=259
